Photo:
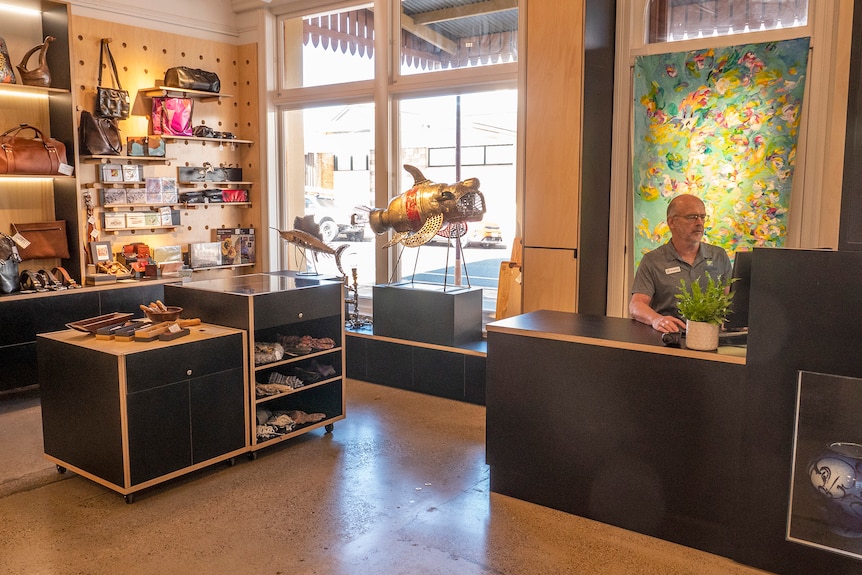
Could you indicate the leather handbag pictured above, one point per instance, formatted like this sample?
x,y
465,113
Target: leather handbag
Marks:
x,y
111,102
34,156
9,260
47,240
99,136
7,74
192,79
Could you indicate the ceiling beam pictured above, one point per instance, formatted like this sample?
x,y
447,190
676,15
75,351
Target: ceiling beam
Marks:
x,y
428,35
477,9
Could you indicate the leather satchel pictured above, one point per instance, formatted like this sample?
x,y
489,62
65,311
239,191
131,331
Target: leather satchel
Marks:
x,y
32,156
47,240
192,79
111,102
99,136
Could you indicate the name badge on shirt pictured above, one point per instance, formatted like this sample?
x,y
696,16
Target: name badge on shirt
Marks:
x,y
673,270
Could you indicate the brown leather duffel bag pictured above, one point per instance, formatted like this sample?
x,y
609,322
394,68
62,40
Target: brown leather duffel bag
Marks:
x,y
30,156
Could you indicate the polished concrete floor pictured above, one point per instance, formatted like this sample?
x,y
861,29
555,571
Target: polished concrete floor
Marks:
x,y
399,487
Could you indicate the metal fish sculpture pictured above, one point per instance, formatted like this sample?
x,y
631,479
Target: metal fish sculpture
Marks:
x,y
307,240
418,214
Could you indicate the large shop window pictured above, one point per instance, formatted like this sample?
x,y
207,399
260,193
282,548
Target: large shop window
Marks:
x,y
450,125
675,20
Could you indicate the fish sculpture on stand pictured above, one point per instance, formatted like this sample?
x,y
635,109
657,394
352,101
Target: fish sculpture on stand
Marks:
x,y
306,237
420,213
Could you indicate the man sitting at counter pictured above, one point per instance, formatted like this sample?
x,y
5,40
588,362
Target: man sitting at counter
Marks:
x,y
685,256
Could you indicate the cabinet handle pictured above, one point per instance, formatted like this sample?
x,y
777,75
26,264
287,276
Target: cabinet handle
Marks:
x,y
188,372
299,315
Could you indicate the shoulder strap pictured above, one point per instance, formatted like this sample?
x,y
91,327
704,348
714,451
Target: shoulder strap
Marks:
x,y
106,48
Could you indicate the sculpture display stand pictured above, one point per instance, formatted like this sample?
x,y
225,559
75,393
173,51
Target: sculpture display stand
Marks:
x,y
430,313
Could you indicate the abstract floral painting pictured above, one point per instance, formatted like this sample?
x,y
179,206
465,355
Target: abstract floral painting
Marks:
x,y
720,123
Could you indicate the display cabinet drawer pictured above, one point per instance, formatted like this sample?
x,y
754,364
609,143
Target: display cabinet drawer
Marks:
x,y
158,367
297,305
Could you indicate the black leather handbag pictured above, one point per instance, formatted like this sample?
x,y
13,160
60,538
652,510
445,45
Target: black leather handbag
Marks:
x,y
9,259
99,136
111,102
192,79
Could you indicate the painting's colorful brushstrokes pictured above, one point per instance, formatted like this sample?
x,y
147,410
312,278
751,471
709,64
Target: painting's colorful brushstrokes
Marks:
x,y
720,123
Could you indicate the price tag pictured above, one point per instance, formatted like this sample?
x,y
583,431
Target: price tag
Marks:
x,y
66,169
21,241
174,328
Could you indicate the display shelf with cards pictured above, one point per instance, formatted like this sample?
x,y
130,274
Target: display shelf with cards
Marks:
x,y
296,353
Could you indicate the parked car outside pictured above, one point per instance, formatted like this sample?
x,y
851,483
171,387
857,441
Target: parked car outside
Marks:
x,y
485,235
336,221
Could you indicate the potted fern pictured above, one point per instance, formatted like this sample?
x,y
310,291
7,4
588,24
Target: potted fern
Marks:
x,y
704,310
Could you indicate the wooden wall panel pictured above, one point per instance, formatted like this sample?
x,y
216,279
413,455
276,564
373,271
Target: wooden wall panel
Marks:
x,y
550,284
142,56
554,70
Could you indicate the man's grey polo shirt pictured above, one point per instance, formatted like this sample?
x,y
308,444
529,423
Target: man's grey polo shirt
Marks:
x,y
661,270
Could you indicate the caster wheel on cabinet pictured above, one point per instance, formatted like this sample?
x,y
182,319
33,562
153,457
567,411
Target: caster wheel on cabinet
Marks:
x,y
252,456
329,427
231,462
61,470
130,498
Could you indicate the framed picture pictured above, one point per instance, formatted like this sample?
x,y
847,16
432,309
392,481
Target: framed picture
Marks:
x,y
133,173
111,172
101,252
825,509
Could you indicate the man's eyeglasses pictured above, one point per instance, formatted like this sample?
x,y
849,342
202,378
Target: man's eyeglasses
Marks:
x,y
694,217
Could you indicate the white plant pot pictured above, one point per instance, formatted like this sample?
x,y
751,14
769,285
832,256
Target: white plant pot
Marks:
x,y
701,336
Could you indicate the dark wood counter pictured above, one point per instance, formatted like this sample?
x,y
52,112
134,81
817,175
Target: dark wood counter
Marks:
x,y
595,416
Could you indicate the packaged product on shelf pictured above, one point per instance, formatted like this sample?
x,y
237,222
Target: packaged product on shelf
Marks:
x,y
155,147
136,196
161,190
204,254
235,195
236,245
111,172
133,173
136,221
152,220
113,221
136,146
112,196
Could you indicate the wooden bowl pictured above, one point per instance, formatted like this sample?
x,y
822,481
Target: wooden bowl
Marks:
x,y
172,314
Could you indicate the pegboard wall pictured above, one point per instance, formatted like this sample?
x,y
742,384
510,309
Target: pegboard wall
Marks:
x,y
142,56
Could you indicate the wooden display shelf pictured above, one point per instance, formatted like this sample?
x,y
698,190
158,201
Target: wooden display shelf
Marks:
x,y
105,159
187,139
224,267
266,398
206,183
149,229
37,176
206,205
293,359
132,207
171,92
31,89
